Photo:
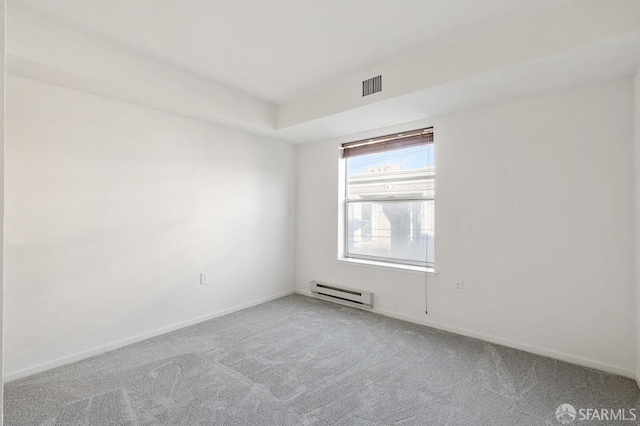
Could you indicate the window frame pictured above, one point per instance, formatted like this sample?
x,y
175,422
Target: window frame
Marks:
x,y
385,261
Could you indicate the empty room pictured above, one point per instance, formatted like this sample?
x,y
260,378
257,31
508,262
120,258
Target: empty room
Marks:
x,y
339,212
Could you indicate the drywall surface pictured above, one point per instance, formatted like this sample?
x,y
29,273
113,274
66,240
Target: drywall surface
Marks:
x,y
636,181
533,211
570,26
114,210
2,180
46,51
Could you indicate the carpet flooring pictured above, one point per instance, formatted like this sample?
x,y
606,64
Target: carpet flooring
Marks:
x,y
300,361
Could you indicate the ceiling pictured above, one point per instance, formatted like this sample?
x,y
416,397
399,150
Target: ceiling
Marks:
x,y
281,49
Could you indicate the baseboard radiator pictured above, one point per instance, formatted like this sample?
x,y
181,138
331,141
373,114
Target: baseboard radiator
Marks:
x,y
342,295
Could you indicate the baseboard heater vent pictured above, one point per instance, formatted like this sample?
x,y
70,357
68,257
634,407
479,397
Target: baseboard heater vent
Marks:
x,y
342,295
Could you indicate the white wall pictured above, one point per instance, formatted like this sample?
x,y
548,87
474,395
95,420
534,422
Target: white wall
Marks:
x,y
533,211
636,181
2,155
113,211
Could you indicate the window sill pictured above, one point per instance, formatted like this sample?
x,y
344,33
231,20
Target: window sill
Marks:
x,y
396,267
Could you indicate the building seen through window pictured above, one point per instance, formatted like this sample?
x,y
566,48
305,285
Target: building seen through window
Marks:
x,y
390,205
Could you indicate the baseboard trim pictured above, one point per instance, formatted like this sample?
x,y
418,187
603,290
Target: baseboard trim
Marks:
x,y
504,342
15,375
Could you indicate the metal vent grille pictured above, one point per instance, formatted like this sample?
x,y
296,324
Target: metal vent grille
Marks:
x,y
372,85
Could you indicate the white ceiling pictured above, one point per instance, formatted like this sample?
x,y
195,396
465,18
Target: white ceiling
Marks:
x,y
279,49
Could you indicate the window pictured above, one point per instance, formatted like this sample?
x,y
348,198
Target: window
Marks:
x,y
389,199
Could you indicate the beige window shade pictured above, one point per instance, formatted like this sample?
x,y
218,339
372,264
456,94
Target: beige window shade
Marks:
x,y
387,143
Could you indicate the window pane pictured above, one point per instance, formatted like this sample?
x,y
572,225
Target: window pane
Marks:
x,y
390,206
398,230
402,173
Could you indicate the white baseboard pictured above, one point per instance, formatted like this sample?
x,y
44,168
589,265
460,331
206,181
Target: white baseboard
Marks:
x,y
14,375
504,342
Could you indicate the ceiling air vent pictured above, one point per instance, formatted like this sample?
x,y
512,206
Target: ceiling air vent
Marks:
x,y
372,85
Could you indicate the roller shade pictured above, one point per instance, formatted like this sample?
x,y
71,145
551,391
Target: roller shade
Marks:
x,y
387,143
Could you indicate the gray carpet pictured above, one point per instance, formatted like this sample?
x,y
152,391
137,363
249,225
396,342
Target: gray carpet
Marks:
x,y
299,361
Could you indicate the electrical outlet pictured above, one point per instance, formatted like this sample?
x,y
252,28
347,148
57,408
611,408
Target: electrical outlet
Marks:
x,y
459,286
204,278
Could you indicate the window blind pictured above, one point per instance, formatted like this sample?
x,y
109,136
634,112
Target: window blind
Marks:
x,y
389,142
